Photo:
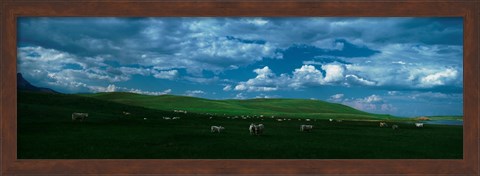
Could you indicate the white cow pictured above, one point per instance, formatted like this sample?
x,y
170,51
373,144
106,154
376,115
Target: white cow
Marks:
x,y
394,127
306,128
175,118
252,128
79,116
125,113
259,129
383,124
256,129
331,120
217,129
419,125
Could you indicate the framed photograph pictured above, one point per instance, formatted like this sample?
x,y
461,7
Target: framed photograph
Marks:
x,y
255,87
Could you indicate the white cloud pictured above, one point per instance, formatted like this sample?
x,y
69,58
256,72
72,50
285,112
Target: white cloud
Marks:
x,y
240,96
334,72
227,88
307,74
336,97
372,99
169,74
241,87
393,92
264,81
113,88
194,92
399,62
61,70
439,78
437,67
355,80
257,21
138,91
110,88
372,103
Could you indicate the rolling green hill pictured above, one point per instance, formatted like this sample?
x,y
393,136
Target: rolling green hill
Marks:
x,y
298,108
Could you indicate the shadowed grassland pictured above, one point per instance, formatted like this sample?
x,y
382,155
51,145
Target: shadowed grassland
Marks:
x,y
46,131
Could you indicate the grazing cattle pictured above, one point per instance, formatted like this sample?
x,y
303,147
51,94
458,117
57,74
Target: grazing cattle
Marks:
x,y
125,113
306,127
166,118
256,129
217,129
419,125
308,120
331,120
279,120
180,111
383,124
259,129
144,118
79,116
175,118
394,127
252,128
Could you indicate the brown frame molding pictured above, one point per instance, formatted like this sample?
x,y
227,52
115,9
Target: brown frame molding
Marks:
x,y
10,10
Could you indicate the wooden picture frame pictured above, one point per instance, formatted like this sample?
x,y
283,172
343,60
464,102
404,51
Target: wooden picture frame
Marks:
x,y
10,10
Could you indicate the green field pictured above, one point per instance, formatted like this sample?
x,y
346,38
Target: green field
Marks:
x,y
46,131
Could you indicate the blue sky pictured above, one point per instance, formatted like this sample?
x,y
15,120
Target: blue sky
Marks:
x,y
400,66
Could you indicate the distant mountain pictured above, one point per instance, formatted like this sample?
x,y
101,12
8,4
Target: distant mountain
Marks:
x,y
23,84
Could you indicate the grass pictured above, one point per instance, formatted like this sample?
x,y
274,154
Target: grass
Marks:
x,y
45,131
445,117
294,108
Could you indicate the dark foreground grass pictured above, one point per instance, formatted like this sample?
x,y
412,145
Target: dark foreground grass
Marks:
x,y
45,131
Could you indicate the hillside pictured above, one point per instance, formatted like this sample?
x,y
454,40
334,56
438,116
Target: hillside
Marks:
x,y
300,108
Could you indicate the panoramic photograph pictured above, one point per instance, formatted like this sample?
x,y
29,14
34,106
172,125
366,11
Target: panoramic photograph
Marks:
x,y
239,88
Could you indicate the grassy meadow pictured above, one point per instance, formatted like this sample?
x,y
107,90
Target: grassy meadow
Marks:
x,y
46,130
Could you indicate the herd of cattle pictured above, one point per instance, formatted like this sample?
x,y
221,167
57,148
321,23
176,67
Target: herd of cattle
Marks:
x,y
255,129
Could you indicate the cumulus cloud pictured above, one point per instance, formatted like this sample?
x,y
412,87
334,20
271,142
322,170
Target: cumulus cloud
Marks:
x,y
168,74
336,98
113,88
373,103
334,72
305,76
439,78
264,81
194,92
